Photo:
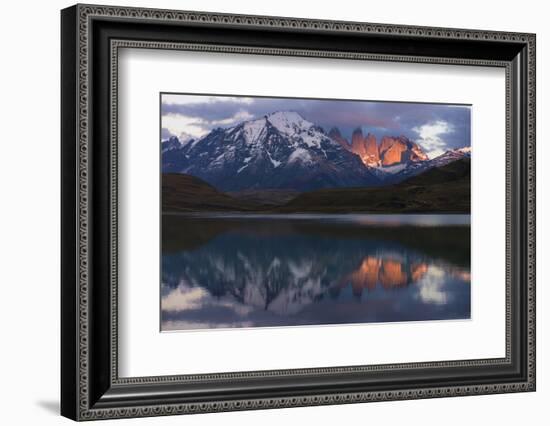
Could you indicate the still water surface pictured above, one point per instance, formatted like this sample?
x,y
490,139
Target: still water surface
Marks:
x,y
227,270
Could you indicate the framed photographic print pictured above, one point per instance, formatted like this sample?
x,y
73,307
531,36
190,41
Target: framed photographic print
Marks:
x,y
263,212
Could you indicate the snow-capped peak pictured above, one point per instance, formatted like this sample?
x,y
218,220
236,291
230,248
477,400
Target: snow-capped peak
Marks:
x,y
454,154
289,122
465,150
175,143
254,129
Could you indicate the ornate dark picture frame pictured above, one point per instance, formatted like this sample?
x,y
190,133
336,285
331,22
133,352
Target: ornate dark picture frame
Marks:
x,y
90,38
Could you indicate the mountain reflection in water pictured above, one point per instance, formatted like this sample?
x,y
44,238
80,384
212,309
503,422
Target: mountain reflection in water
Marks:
x,y
224,272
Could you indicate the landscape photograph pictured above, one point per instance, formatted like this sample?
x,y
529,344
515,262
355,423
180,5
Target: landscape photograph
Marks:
x,y
281,212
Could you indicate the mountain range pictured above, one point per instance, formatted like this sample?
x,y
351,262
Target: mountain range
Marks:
x,y
282,151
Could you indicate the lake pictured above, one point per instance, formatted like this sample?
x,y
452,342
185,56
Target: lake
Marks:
x,y
254,270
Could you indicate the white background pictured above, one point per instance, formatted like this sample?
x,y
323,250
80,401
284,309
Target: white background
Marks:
x,y
141,345
29,229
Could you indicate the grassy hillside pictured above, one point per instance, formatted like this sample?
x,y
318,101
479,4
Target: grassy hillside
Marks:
x,y
442,190
185,193
265,197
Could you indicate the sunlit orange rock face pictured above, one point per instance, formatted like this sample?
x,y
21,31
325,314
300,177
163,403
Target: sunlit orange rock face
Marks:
x,y
358,142
391,151
372,156
399,150
365,147
388,272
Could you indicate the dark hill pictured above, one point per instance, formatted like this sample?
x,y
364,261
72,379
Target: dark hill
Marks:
x,y
181,192
443,189
454,171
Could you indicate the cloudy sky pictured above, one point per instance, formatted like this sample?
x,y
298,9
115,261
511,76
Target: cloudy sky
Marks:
x,y
436,127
